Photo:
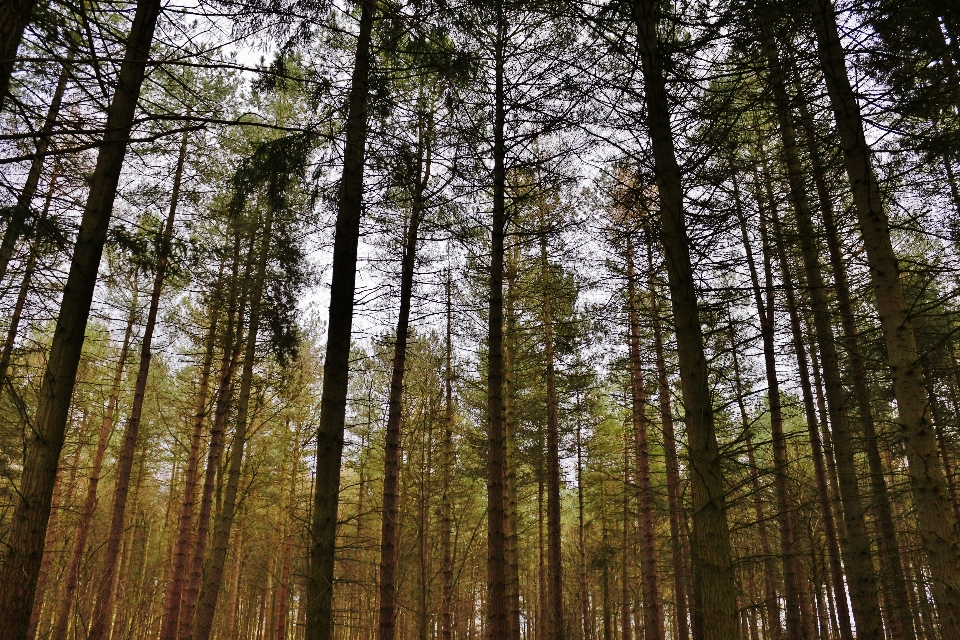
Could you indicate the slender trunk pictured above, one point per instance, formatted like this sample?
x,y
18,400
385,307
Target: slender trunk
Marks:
x,y
670,461
813,431
652,614
857,554
446,521
104,609
336,367
626,628
772,600
889,551
178,570
554,551
62,621
386,627
712,560
29,522
937,526
796,627
213,571
511,521
21,212
586,622
498,624
232,346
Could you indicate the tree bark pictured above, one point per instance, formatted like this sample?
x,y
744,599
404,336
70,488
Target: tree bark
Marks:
x,y
336,367
497,626
213,570
712,559
671,463
29,521
14,18
389,532
21,211
649,580
104,608
446,506
62,620
937,526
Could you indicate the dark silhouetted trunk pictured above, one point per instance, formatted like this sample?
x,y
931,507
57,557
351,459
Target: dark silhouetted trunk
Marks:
x,y
28,524
336,367
712,560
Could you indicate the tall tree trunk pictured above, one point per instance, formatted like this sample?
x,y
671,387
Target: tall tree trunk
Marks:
x,y
446,506
336,366
857,555
29,522
386,627
62,620
213,570
21,212
232,347
586,620
104,608
554,551
497,627
649,581
889,551
712,559
626,626
797,624
772,600
813,431
178,570
937,526
671,463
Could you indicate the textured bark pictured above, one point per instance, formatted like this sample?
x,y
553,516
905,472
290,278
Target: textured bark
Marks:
x,y
497,621
585,619
29,521
511,515
899,621
626,626
390,527
649,580
21,212
764,301
336,367
937,526
712,561
216,563
62,621
671,463
104,609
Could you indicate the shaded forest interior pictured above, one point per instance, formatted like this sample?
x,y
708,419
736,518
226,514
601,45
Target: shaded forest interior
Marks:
x,y
479,320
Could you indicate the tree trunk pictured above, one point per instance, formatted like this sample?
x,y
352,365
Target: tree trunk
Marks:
x,y
652,614
586,621
213,570
712,559
21,211
386,627
336,367
626,628
62,621
937,526
670,461
796,627
29,522
498,627
104,609
178,571
554,550
446,521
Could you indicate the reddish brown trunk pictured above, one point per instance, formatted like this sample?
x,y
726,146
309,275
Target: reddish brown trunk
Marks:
x,y
28,525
